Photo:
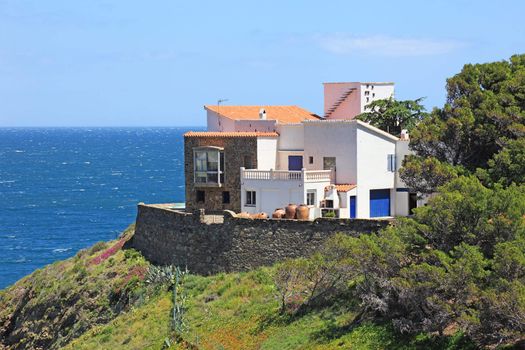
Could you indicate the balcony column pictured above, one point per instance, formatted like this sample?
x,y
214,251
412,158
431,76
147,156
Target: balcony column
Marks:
x,y
303,174
242,174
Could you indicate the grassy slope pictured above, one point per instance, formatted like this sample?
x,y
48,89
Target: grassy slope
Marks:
x,y
240,311
61,301
95,300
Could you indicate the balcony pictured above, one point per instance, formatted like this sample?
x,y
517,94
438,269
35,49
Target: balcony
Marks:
x,y
287,175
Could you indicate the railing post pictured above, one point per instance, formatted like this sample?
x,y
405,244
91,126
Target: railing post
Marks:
x,y
271,174
303,174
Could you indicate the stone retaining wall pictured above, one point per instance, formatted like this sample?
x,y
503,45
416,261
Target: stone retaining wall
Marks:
x,y
165,236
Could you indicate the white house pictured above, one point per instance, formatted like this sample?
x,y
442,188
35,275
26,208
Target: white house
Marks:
x,y
345,166
335,164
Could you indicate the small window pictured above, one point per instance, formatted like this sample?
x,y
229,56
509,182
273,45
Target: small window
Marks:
x,y
310,198
367,93
247,162
372,87
310,160
328,163
368,99
391,159
251,198
373,95
201,196
226,197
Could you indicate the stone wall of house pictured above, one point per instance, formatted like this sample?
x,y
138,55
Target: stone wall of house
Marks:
x,y
236,151
167,236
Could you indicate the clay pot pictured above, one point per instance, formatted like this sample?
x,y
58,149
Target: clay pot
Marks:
x,y
279,213
244,215
303,212
260,216
290,211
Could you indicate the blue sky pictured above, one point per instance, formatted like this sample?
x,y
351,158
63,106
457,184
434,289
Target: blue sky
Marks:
x,y
156,63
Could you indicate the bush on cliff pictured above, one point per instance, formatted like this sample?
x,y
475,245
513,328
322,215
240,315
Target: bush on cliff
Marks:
x,y
457,266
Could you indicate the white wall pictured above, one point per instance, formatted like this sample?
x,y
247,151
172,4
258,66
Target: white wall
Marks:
x,y
291,137
401,204
335,138
272,194
266,153
255,125
373,149
376,91
401,151
216,122
291,143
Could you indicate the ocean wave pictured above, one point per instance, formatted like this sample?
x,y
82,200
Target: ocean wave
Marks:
x,y
61,250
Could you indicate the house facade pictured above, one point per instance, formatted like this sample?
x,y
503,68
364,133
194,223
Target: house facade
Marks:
x,y
259,158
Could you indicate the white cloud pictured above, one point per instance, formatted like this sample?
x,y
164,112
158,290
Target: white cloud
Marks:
x,y
345,44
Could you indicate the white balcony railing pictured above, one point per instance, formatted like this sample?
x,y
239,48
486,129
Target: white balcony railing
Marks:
x,y
287,175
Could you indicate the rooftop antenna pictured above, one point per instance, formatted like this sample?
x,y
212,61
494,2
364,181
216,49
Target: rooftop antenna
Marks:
x,y
219,101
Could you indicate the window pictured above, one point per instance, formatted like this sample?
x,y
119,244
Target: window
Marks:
x,y
391,159
373,95
328,163
310,197
200,196
247,162
310,160
209,165
250,198
367,93
368,99
226,197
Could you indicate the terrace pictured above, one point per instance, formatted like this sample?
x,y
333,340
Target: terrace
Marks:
x,y
287,175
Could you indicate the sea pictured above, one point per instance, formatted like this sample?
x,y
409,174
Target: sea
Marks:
x,y
63,189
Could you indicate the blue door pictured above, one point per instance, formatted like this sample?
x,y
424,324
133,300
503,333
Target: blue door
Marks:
x,y
379,203
295,162
352,207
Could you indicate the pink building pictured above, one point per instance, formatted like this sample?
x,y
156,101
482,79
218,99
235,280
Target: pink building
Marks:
x,y
346,100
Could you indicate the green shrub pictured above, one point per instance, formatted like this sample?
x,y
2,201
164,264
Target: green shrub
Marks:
x,y
97,247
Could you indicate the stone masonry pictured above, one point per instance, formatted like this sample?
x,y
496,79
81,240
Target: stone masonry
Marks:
x,y
236,150
165,236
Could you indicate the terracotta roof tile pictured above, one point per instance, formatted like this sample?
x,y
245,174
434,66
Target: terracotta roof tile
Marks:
x,y
344,187
283,114
229,134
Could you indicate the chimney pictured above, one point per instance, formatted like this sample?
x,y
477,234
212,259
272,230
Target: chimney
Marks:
x,y
262,114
